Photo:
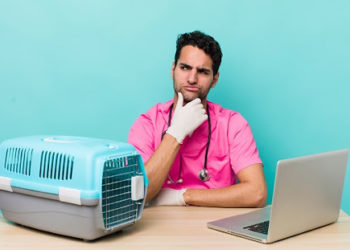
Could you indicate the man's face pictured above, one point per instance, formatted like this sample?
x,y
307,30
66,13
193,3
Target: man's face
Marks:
x,y
193,74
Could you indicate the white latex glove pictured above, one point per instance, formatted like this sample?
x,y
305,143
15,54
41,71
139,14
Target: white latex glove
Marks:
x,y
169,197
186,118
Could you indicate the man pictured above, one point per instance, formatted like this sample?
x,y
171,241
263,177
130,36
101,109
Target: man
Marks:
x,y
195,150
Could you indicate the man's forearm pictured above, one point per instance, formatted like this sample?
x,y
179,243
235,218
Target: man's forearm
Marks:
x,y
158,166
238,195
250,192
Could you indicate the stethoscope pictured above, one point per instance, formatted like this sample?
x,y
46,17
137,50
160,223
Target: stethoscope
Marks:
x,y
203,173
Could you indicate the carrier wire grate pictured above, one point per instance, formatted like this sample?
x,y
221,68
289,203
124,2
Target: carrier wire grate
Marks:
x,y
19,160
117,206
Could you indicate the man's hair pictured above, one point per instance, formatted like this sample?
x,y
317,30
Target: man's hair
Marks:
x,y
202,41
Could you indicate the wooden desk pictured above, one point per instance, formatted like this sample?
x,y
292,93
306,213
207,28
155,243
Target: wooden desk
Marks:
x,y
175,228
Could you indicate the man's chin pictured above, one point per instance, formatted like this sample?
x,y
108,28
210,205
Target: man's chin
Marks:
x,y
189,98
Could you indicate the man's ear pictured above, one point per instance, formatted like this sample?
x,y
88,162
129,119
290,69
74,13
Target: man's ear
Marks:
x,y
172,70
215,80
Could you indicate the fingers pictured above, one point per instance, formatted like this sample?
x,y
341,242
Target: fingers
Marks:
x,y
196,108
194,102
180,100
202,119
199,119
186,118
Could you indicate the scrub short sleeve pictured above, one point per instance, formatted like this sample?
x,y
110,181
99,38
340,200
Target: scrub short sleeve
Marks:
x,y
141,136
243,150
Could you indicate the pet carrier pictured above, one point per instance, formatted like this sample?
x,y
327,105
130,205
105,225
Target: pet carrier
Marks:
x,y
74,186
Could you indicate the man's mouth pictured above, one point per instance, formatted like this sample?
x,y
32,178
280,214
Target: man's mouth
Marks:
x,y
191,89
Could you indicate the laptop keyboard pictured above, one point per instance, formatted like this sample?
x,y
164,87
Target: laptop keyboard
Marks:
x,y
262,227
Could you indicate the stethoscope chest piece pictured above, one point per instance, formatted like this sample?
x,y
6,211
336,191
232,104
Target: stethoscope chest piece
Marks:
x,y
203,175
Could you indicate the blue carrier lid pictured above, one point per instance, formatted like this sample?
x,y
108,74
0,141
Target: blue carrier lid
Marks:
x,y
67,166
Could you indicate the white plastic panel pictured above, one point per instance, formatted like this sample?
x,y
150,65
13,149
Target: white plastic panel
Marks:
x,y
137,188
5,184
69,195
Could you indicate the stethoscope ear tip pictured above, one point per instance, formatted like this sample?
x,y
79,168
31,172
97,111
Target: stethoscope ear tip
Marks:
x,y
179,181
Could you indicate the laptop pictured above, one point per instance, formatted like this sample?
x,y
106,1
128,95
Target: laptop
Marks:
x,y
307,195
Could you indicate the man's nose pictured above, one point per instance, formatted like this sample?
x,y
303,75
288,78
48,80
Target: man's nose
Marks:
x,y
192,77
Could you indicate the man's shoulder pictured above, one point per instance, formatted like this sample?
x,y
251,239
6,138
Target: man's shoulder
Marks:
x,y
221,111
225,114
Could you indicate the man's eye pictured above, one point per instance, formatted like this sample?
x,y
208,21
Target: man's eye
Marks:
x,y
204,72
184,67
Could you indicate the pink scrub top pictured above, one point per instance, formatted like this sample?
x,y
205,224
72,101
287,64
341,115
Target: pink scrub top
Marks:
x,y
232,146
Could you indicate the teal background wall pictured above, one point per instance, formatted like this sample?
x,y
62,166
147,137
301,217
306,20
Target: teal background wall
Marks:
x,y
89,68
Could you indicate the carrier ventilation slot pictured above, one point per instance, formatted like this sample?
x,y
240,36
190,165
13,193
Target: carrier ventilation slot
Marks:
x,y
117,206
19,160
56,166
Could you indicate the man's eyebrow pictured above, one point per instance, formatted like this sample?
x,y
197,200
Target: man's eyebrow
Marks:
x,y
186,65
206,70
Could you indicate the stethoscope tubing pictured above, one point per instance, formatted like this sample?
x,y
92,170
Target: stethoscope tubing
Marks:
x,y
203,174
